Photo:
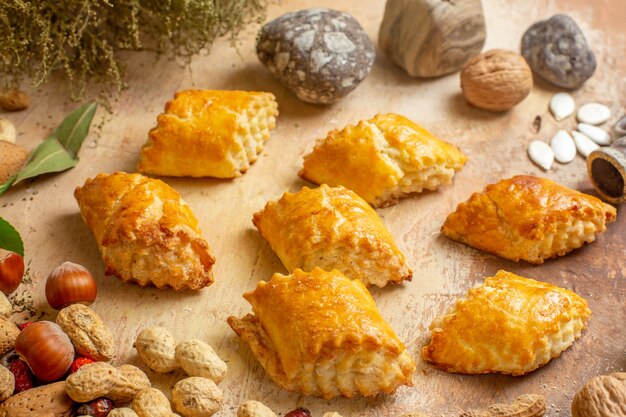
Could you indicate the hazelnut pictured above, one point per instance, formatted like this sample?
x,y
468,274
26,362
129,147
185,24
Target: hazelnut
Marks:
x,y
496,80
46,349
70,283
11,271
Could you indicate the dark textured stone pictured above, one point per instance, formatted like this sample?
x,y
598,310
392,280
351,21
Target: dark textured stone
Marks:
x,y
319,54
557,51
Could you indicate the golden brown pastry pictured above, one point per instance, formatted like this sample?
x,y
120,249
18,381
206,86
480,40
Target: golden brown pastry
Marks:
x,y
146,233
333,228
528,218
207,133
383,159
320,333
509,324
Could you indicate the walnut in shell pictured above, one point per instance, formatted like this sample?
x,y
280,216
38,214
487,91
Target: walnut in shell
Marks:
x,y
602,396
496,80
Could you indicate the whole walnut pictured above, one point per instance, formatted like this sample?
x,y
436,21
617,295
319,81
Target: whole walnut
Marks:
x,y
496,80
602,396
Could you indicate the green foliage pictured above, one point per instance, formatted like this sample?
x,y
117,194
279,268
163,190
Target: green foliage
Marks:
x,y
59,151
83,38
10,238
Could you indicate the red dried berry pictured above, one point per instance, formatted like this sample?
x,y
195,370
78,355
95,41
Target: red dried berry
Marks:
x,y
23,376
299,412
25,325
78,362
100,407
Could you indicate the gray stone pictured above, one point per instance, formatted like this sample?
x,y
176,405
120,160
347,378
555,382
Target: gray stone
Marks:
x,y
557,51
319,54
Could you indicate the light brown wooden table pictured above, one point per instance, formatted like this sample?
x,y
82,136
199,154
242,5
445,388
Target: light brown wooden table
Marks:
x,y
46,213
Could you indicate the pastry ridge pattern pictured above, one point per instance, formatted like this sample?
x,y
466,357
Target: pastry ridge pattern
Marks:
x,y
209,133
333,228
320,333
508,324
145,231
383,159
528,218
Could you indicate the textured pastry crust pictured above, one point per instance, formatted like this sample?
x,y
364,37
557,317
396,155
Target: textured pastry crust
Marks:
x,y
146,233
209,134
333,228
509,324
383,159
528,218
320,333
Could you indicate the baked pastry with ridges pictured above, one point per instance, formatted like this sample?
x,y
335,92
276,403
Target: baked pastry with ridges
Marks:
x,y
528,218
333,228
508,324
145,231
209,133
320,333
383,159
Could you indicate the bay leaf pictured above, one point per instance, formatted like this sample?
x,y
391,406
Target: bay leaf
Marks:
x,y
49,156
73,130
59,151
10,238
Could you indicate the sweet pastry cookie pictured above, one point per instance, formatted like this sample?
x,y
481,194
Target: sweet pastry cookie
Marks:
x,y
528,218
146,233
333,228
509,324
383,159
320,333
207,133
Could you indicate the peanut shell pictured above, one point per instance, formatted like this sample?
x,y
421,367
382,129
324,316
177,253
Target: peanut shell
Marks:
x,y
88,333
197,397
157,348
199,359
151,403
8,334
7,383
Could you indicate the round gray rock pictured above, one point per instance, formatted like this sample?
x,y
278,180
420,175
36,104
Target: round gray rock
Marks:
x,y
319,54
557,51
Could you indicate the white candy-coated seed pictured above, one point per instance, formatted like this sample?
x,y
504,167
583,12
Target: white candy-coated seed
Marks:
x,y
562,106
563,146
593,113
584,145
541,154
599,136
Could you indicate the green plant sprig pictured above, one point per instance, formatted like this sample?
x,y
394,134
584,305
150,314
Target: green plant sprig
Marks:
x,y
83,38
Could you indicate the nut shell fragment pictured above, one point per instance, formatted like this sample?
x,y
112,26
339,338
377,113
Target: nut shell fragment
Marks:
x,y
602,396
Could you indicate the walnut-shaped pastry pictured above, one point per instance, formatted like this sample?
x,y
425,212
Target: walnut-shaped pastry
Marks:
x,y
320,333
333,228
509,324
383,159
146,233
206,133
528,218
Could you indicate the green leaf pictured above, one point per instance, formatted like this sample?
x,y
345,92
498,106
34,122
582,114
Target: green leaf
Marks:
x,y
7,184
49,156
58,152
74,128
10,239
